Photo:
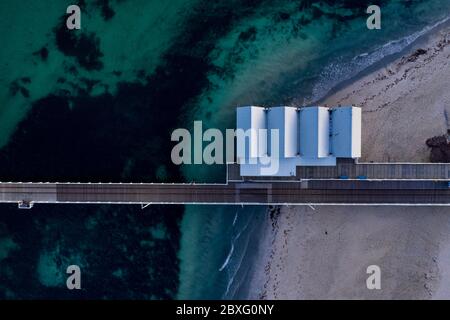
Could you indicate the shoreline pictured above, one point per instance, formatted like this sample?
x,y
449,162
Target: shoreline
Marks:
x,y
323,252
422,40
409,91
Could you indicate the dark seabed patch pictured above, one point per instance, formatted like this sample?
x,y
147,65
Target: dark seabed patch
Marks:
x,y
85,47
123,252
71,135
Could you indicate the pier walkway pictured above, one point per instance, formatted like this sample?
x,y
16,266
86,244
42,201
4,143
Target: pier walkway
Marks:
x,y
346,184
352,170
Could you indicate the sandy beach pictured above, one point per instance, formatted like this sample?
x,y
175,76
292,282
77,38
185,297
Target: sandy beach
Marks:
x,y
323,252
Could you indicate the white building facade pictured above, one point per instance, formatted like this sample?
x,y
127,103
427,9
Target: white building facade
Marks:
x,y
307,136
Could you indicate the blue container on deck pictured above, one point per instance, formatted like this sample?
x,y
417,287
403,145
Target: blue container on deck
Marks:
x,y
343,177
361,177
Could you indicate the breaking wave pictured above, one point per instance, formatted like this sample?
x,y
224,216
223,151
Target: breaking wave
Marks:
x,y
341,70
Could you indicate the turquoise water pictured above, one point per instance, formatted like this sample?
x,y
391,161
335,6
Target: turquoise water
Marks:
x,y
100,104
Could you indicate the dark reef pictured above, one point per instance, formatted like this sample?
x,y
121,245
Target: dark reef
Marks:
x,y
84,46
440,148
112,137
